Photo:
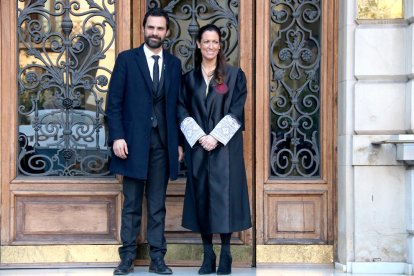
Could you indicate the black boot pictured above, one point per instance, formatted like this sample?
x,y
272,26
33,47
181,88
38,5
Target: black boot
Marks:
x,y
209,264
209,259
125,267
225,255
224,264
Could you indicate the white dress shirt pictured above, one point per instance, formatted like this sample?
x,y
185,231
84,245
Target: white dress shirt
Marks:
x,y
150,60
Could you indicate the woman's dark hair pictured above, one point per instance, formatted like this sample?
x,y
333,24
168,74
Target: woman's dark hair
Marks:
x,y
156,12
221,59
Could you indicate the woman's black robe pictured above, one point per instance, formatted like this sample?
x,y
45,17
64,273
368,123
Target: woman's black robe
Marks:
x,y
216,196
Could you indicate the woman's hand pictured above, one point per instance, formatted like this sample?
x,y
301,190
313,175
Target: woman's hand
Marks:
x,y
208,142
180,153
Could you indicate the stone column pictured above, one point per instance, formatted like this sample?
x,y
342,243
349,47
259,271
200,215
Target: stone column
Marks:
x,y
405,153
410,217
346,84
371,107
409,108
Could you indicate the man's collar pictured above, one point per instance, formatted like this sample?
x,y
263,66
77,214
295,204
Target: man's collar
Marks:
x,y
149,53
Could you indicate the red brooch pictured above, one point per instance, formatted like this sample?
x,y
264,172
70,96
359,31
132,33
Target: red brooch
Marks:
x,y
221,88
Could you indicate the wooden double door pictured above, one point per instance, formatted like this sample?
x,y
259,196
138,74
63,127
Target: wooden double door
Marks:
x,y
57,203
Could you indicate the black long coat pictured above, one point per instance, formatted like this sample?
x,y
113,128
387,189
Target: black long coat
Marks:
x,y
216,197
129,111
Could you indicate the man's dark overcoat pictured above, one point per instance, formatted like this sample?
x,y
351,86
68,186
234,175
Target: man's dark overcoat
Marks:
x,y
130,107
216,197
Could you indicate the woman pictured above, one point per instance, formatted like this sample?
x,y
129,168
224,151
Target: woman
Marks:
x,y
210,113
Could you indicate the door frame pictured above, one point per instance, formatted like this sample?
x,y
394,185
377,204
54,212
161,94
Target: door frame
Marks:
x,y
264,183
13,253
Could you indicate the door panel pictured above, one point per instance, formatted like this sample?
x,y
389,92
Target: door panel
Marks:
x,y
295,126
62,219
235,18
39,210
296,218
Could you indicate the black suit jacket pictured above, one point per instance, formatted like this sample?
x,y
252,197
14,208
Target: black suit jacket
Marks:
x,y
130,106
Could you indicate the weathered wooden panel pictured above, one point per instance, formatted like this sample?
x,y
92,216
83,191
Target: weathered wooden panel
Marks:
x,y
296,218
174,232
174,207
65,218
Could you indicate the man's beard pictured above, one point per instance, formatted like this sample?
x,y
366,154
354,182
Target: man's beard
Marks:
x,y
153,44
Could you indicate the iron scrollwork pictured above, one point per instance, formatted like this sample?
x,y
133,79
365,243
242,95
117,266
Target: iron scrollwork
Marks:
x,y
62,85
186,17
294,88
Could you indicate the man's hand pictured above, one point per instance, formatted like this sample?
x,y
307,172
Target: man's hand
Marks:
x,y
180,153
120,148
208,142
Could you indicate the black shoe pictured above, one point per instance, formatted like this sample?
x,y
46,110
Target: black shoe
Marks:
x,y
224,264
158,266
125,267
209,264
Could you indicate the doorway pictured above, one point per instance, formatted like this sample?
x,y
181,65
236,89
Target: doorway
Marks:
x,y
287,50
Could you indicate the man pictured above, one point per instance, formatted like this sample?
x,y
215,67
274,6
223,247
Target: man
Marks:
x,y
141,115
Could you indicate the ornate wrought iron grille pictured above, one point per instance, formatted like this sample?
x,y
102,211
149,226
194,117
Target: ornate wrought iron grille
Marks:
x,y
294,88
187,16
65,48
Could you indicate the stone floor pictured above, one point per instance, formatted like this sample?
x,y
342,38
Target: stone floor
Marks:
x,y
181,271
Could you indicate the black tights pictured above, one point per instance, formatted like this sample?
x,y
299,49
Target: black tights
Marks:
x,y
208,242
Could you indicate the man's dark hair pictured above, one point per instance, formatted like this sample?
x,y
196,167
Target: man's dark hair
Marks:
x,y
156,12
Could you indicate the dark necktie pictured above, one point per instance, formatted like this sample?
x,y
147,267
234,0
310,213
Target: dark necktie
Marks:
x,y
156,73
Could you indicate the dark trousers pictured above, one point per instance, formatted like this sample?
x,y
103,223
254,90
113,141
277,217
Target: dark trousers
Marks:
x,y
155,192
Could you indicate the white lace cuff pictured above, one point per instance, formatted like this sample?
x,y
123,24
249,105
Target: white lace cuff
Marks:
x,y
191,130
225,129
